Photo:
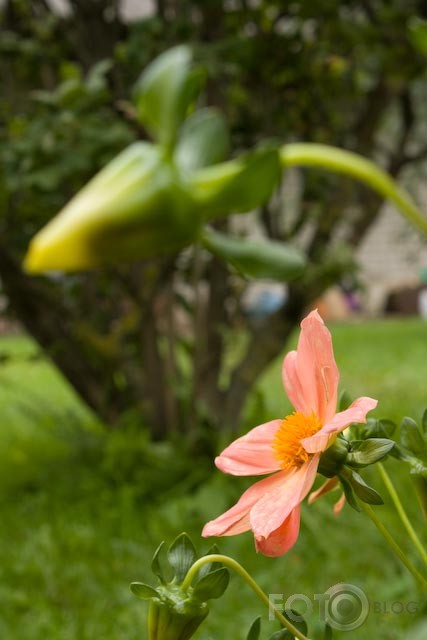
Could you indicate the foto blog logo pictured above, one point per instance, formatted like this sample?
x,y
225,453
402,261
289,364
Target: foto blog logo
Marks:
x,y
343,606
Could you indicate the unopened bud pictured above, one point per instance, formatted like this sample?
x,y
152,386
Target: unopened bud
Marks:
x,y
134,208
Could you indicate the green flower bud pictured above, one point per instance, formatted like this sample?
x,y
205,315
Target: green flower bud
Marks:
x,y
174,615
333,459
136,207
179,606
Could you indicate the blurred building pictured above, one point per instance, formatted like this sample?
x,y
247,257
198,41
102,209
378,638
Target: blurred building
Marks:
x,y
392,257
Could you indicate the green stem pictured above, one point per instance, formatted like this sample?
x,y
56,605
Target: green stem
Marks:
x,y
393,544
233,564
421,489
402,513
351,164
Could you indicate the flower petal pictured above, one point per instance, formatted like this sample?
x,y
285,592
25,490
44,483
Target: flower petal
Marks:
x,y
310,375
283,538
355,413
292,383
236,520
338,506
272,509
252,454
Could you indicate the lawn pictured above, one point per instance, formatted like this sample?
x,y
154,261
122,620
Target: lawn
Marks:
x,y
81,513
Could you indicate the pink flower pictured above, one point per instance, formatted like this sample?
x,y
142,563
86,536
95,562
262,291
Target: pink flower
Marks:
x,y
289,449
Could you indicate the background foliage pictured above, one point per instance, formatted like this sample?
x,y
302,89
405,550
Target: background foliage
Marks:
x,y
154,338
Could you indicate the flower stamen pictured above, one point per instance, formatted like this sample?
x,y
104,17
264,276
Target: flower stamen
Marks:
x,y
287,446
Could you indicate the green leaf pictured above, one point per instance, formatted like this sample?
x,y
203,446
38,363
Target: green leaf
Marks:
x,y
239,185
255,630
144,591
348,491
364,491
369,451
165,92
327,635
379,428
296,619
181,556
203,140
412,438
209,566
212,585
386,428
256,259
155,563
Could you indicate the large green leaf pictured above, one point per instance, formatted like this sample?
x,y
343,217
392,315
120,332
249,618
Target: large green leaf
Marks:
x,y
165,92
181,556
212,585
203,140
237,186
255,258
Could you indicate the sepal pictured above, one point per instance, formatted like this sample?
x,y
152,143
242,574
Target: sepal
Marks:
x,y
413,446
203,140
365,452
181,555
256,259
166,91
255,630
212,585
354,485
239,185
413,437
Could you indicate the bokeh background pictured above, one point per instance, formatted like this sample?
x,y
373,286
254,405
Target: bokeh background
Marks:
x,y
118,387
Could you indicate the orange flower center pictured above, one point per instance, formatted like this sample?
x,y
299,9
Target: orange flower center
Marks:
x,y
287,446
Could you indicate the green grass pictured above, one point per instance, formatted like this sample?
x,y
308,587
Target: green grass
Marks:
x,y
81,514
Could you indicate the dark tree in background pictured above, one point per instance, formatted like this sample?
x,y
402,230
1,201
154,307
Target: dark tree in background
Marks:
x,y
153,337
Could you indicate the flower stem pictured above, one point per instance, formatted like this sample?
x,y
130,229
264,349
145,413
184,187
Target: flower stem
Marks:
x,y
393,544
402,513
327,157
233,564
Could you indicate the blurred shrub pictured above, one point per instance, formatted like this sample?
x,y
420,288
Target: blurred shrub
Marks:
x,y
351,73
